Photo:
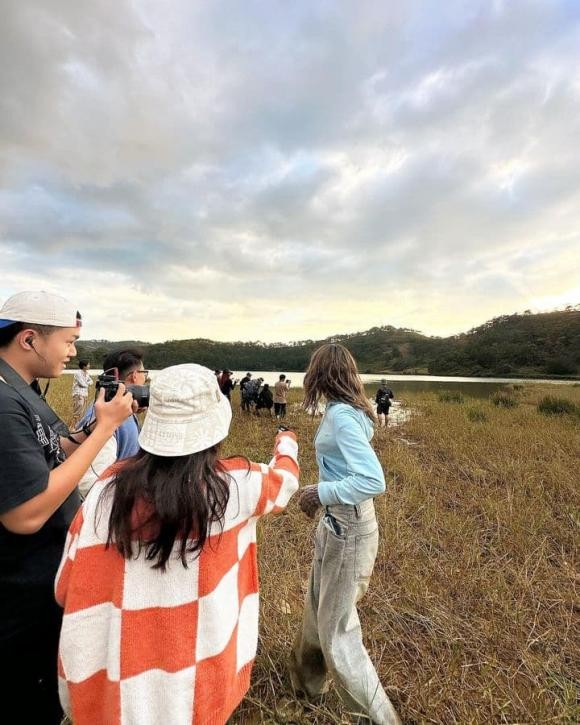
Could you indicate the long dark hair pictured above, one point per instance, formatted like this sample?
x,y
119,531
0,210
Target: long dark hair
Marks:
x,y
332,373
160,500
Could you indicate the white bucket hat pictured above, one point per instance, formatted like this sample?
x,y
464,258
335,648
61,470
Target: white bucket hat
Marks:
x,y
39,308
187,412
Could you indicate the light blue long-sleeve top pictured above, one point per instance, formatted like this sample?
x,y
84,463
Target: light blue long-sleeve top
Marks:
x,y
349,470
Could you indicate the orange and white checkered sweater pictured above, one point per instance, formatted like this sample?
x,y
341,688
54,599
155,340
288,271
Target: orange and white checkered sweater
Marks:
x,y
143,647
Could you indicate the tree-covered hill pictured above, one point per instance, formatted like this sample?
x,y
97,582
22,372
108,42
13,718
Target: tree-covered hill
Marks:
x,y
546,344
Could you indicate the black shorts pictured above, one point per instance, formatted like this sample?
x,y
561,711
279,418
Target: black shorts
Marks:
x,y
383,409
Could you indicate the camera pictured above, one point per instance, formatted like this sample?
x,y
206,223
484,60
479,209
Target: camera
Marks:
x,y
110,383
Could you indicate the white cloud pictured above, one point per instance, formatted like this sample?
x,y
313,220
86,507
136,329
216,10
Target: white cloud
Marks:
x,y
280,171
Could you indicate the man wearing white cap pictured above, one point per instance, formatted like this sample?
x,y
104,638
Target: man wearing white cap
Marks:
x,y
40,466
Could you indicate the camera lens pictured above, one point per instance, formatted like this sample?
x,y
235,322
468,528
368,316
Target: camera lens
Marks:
x,y
140,394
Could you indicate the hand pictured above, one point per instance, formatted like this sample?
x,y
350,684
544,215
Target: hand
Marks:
x,y
116,410
309,501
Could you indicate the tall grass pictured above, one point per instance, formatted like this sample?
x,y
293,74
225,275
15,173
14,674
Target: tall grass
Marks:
x,y
552,405
471,615
504,399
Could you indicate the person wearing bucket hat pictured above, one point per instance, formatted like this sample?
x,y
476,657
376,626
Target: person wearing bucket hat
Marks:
x,y
161,570
187,412
40,466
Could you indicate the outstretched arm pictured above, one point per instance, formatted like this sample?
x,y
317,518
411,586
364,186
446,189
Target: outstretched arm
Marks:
x,y
280,477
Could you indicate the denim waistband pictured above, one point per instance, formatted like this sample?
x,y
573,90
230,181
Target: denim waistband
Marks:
x,y
360,510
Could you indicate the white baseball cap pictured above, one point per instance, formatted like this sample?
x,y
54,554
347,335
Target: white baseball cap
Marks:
x,y
187,412
39,308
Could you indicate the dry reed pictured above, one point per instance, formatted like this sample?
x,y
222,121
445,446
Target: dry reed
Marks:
x,y
472,613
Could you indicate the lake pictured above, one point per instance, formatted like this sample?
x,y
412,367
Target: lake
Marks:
x,y
400,384
474,387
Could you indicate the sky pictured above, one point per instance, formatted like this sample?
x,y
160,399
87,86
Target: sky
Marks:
x,y
283,171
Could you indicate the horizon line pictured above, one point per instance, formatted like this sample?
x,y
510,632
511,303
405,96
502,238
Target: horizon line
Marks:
x,y
525,313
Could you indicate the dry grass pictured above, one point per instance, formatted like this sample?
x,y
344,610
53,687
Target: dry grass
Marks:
x,y
471,612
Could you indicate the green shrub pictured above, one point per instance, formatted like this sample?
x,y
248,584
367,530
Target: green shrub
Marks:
x,y
551,405
450,396
476,415
503,399
562,366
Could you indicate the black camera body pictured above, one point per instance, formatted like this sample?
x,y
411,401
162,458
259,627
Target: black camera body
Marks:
x,y
110,383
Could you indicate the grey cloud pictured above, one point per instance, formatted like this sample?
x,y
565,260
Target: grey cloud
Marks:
x,y
245,144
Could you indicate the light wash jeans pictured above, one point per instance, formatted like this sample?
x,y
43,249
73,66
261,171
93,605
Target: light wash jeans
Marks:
x,y
345,550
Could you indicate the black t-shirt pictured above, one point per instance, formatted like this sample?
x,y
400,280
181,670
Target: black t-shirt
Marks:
x,y
383,397
29,450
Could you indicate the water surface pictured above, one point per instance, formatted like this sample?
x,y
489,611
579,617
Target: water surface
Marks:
x,y
400,384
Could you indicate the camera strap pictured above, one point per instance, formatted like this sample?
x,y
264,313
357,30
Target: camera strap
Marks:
x,y
33,398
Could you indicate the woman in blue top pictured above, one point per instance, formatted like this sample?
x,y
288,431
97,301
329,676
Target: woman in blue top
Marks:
x,y
346,542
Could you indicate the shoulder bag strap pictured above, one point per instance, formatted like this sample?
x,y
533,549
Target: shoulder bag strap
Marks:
x,y
40,406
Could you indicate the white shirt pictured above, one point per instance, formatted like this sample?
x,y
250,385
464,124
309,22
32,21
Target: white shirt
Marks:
x,y
81,383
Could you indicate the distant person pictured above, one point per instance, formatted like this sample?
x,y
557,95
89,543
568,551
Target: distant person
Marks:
x,y
243,382
80,391
350,476
251,392
40,466
227,384
124,443
383,400
280,393
265,400
161,600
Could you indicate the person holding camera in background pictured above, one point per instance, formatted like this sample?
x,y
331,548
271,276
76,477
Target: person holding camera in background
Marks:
x,y
40,466
280,392
125,442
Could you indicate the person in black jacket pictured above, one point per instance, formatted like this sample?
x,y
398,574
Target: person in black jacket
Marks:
x,y
265,400
383,400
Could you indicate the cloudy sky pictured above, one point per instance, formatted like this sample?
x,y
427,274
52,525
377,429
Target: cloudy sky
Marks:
x,y
288,170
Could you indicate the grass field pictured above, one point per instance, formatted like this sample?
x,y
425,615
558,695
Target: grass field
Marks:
x,y
472,614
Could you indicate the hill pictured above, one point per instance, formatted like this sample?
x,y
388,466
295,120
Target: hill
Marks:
x,y
545,344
